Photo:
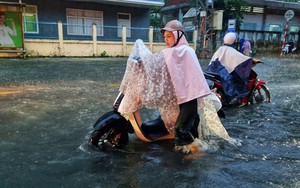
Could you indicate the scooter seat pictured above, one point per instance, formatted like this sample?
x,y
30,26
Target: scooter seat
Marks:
x,y
212,76
154,129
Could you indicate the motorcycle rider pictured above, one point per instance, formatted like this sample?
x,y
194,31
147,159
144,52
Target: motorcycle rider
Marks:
x,y
234,69
172,81
187,78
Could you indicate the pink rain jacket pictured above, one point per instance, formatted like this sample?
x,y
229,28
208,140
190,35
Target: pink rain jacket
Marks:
x,y
185,71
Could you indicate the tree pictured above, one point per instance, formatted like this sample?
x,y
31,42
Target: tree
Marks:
x,y
155,18
233,9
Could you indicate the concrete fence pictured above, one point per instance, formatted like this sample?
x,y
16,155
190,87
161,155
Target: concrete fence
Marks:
x,y
83,48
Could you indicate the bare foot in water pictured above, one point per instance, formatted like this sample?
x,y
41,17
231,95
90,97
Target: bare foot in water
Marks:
x,y
192,151
196,155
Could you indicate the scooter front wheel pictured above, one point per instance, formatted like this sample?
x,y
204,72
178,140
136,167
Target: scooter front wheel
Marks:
x,y
262,94
109,138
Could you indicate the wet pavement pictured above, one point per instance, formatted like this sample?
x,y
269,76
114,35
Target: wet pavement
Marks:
x,y
49,105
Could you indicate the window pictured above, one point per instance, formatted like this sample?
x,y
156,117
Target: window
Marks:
x,y
124,20
274,28
258,10
294,29
80,22
30,19
246,8
249,26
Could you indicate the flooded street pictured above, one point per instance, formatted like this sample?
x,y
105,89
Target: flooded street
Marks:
x,y
49,105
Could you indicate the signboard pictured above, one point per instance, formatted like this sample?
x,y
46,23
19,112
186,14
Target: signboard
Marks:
x,y
11,32
231,25
203,13
289,15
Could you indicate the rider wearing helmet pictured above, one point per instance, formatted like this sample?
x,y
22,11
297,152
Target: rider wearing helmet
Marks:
x,y
176,28
233,67
172,82
187,78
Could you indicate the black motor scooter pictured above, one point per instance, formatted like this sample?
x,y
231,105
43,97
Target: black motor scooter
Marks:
x,y
112,130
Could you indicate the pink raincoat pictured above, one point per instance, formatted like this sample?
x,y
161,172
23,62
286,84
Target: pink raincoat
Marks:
x,y
185,71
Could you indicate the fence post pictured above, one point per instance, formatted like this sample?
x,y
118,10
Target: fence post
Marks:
x,y
60,38
94,39
124,40
255,37
151,38
246,35
195,37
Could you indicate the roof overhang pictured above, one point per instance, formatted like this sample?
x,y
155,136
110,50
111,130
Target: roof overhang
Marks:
x,y
12,3
275,4
174,7
191,13
129,3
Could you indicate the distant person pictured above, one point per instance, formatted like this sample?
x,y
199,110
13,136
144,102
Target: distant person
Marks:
x,y
291,46
6,32
245,46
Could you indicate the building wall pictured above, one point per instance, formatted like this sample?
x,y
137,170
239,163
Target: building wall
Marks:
x,y
273,13
55,10
261,24
280,20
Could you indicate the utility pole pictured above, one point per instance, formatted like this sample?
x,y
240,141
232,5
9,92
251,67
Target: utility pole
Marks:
x,y
206,8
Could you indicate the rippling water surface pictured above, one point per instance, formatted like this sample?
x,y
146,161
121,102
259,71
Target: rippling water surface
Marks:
x,y
48,107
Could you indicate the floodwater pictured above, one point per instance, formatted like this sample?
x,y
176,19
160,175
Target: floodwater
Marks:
x,y
49,105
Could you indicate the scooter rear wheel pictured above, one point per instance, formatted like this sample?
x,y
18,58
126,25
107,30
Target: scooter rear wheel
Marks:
x,y
109,139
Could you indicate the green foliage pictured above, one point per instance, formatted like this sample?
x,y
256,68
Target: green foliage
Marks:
x,y
233,9
104,54
155,18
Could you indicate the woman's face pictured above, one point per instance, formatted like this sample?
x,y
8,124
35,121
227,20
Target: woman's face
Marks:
x,y
169,39
2,19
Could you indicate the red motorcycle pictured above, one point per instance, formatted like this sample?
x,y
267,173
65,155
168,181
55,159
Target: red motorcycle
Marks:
x,y
259,92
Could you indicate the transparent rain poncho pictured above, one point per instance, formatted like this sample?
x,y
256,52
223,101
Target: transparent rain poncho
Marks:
x,y
147,83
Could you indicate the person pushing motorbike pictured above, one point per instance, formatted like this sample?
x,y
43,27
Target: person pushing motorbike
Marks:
x,y
187,78
234,69
172,82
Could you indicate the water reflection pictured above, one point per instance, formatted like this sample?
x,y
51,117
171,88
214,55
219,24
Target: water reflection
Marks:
x,y
50,105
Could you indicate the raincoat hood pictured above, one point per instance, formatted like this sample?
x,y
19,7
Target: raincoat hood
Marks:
x,y
229,38
229,57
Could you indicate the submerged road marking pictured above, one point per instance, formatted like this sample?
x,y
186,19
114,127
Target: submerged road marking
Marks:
x,y
14,90
114,85
9,92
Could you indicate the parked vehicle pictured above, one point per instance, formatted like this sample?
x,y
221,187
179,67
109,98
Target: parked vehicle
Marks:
x,y
289,48
259,92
